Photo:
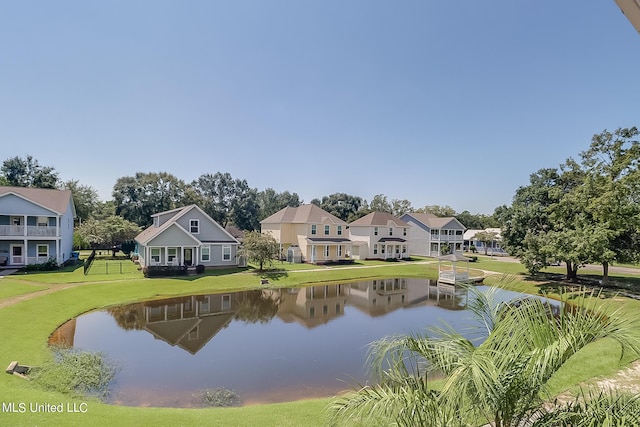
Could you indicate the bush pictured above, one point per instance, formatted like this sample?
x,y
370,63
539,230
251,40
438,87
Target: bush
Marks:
x,y
220,397
76,371
199,268
50,265
164,270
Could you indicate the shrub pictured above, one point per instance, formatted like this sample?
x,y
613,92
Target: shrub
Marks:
x,y
164,270
199,268
71,370
220,397
50,265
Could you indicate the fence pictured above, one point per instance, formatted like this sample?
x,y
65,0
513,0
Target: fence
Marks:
x,y
101,266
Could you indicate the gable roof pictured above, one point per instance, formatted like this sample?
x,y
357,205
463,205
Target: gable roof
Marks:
x,y
149,233
304,214
379,219
51,199
432,221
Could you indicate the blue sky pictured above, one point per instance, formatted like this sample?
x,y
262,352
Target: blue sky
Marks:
x,y
438,102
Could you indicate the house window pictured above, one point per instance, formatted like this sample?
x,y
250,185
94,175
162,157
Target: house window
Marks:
x,y
226,302
339,250
383,247
226,253
375,231
326,251
375,249
390,231
172,254
43,221
404,249
43,251
404,231
194,226
16,220
313,229
326,230
458,232
155,255
205,304
205,254
339,230
434,233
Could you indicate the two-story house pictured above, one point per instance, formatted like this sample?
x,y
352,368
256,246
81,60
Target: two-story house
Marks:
x,y
309,231
36,225
434,236
379,235
186,236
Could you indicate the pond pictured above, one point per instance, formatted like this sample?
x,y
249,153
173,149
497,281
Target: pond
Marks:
x,y
271,345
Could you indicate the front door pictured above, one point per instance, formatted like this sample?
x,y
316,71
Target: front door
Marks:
x,y
188,256
17,254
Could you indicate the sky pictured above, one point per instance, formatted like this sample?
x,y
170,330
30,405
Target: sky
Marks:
x,y
437,102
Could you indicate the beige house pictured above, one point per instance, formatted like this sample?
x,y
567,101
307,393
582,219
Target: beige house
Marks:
x,y
379,235
308,233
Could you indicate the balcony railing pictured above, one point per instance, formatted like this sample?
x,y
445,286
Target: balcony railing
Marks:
x,y
32,230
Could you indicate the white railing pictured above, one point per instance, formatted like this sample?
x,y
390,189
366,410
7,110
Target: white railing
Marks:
x,y
457,276
32,230
447,238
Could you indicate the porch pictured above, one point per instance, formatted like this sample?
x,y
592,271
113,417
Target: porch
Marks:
x,y
171,256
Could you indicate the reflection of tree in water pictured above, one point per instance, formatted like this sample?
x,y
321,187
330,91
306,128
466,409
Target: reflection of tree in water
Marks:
x,y
255,306
128,317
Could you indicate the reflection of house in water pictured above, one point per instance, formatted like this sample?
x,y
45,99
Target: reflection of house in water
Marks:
x,y
313,305
381,296
189,322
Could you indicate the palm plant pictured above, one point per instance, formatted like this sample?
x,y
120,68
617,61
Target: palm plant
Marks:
x,y
497,373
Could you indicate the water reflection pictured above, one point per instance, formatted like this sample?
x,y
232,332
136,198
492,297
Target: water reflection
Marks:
x,y
267,345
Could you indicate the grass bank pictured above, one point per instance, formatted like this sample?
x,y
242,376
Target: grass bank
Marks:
x,y
27,324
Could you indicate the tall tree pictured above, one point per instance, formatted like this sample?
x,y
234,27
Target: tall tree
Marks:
x,y
379,203
228,200
400,207
27,172
140,196
342,205
271,201
437,210
611,191
85,199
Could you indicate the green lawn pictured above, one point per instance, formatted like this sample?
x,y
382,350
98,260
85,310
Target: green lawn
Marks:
x,y
27,325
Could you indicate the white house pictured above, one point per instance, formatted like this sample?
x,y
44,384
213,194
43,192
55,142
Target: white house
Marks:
x,y
36,225
431,235
379,235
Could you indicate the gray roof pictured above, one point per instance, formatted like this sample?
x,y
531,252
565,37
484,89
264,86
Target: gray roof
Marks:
x,y
55,200
379,219
432,221
149,233
305,214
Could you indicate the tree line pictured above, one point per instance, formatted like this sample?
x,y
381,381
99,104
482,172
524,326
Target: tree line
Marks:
x,y
228,200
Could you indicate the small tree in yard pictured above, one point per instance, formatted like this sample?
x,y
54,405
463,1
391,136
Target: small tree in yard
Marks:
x,y
487,238
259,248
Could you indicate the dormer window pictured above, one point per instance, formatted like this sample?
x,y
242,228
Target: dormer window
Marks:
x,y
194,226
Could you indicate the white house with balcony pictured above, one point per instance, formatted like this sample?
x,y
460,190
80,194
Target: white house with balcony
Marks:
x,y
434,236
36,225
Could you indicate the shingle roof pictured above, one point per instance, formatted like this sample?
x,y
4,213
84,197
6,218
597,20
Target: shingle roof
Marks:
x,y
55,200
432,221
378,218
305,214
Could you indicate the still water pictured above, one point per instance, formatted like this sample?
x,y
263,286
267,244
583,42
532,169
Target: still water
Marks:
x,y
265,345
